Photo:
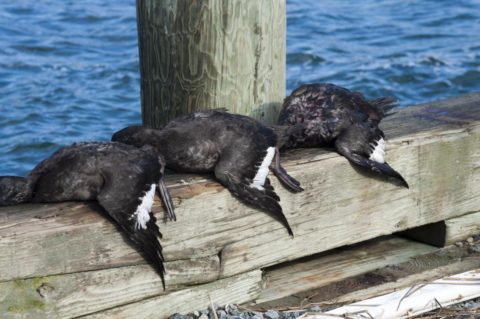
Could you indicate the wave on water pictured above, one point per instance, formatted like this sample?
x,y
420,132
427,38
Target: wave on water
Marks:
x,y
69,69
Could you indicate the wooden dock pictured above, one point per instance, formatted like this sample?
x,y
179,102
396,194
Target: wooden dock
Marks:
x,y
68,260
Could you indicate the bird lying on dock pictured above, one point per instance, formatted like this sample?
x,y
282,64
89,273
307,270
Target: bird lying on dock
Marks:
x,y
121,178
237,149
326,114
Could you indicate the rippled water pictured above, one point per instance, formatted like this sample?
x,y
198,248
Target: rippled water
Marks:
x,y
418,51
69,69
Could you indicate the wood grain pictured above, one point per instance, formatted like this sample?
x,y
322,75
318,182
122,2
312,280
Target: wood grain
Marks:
x,y
335,265
462,227
237,289
415,271
210,54
340,206
443,174
71,295
438,154
406,280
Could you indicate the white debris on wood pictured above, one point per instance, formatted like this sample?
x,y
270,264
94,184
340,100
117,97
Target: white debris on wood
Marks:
x,y
411,301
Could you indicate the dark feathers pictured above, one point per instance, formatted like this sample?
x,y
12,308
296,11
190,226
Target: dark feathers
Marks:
x,y
122,178
231,146
329,115
14,190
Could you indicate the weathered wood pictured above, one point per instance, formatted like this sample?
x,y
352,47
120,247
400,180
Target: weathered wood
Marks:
x,y
414,300
209,54
76,294
446,232
468,263
237,289
441,188
438,155
335,265
460,228
448,114
424,267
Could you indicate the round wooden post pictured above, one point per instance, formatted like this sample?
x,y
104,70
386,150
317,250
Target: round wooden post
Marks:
x,y
198,54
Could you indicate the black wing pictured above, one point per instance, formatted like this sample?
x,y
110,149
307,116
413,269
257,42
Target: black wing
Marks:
x,y
130,208
363,145
237,174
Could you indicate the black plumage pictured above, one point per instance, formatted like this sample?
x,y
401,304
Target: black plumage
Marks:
x,y
121,178
329,115
231,146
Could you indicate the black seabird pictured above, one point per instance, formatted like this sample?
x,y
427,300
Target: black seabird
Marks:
x,y
326,114
121,178
237,149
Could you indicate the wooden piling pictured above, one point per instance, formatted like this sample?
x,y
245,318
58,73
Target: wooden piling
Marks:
x,y
210,54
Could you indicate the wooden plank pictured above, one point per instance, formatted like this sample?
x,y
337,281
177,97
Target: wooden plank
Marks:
x,y
339,207
237,289
460,228
43,240
412,301
440,188
411,279
72,295
300,276
210,54
436,116
446,232
419,269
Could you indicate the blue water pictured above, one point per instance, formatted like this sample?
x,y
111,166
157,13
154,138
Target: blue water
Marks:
x,y
69,69
418,51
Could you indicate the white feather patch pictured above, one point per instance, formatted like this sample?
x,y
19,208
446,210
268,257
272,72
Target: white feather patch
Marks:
x,y
261,176
379,152
142,214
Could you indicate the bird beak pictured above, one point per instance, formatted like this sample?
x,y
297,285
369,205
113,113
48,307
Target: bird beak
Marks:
x,y
167,199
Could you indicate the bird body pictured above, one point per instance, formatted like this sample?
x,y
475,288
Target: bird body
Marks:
x,y
329,115
237,149
121,178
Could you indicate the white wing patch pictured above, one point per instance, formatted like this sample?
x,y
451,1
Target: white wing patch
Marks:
x,y
261,176
378,151
142,214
